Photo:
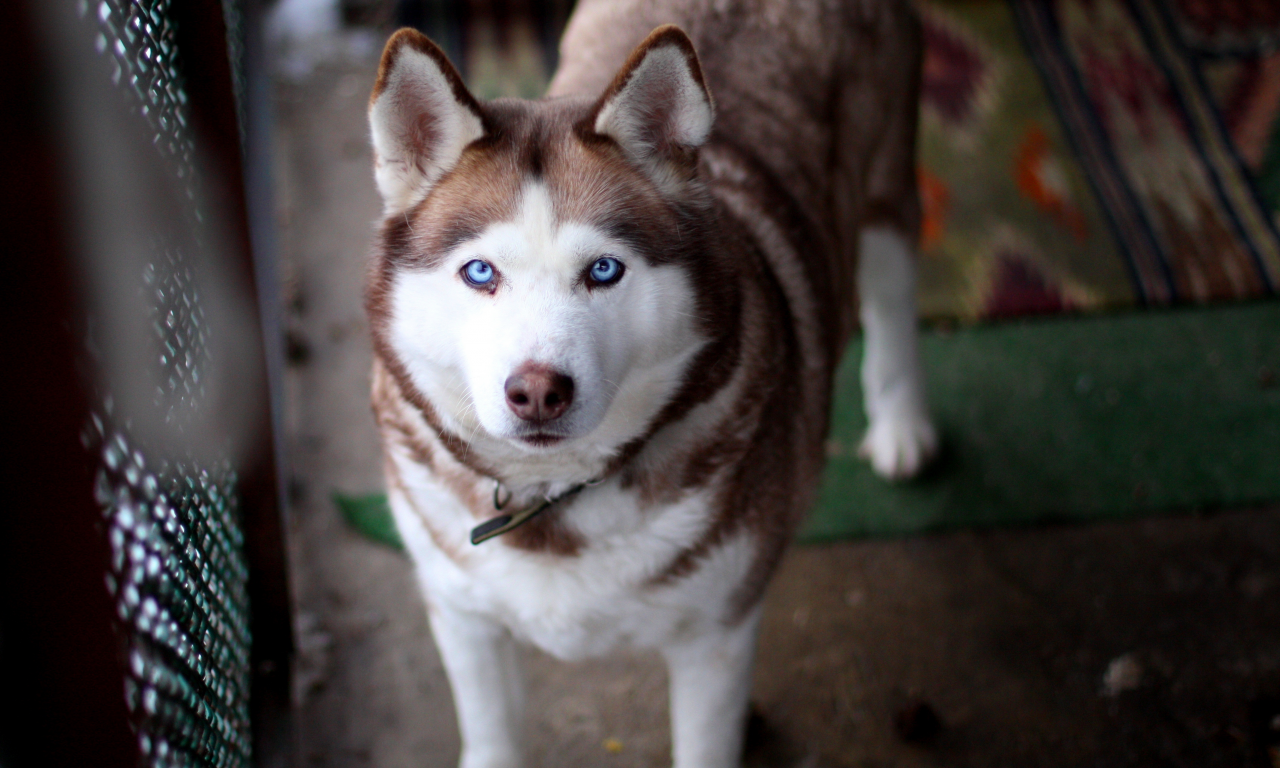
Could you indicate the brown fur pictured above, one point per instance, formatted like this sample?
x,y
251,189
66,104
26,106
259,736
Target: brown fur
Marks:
x,y
803,94
814,130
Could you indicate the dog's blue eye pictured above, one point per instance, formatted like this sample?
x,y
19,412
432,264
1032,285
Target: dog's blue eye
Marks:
x,y
606,270
478,272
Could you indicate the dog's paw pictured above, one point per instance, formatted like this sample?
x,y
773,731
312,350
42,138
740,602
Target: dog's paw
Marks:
x,y
901,445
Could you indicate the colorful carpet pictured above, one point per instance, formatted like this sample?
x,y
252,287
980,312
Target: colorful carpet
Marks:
x,y
1080,155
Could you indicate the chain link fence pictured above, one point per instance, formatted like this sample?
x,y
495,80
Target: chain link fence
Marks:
x,y
142,124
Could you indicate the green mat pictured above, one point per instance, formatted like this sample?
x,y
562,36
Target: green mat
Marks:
x,y
1075,419
369,514
1070,419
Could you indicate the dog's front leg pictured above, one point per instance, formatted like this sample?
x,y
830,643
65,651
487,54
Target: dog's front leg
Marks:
x,y
710,681
480,659
900,436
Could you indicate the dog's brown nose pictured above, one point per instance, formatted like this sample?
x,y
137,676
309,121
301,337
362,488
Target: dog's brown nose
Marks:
x,y
538,394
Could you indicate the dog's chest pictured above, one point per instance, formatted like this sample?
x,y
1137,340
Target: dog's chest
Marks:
x,y
610,593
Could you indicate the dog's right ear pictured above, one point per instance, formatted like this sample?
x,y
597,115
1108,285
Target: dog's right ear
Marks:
x,y
421,116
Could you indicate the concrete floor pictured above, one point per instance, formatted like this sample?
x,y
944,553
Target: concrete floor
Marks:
x,y
1149,643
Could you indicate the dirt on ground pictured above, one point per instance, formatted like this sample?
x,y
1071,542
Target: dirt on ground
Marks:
x,y
1144,643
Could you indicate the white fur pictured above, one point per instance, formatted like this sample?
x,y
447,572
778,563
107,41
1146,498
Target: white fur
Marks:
x,y
900,437
625,346
579,607
488,693
416,86
710,685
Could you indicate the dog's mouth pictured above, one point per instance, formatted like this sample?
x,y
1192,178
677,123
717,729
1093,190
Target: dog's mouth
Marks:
x,y
541,439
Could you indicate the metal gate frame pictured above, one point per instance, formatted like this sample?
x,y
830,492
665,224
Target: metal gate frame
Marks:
x,y
62,654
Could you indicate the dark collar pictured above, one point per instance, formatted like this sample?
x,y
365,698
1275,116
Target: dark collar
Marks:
x,y
496,526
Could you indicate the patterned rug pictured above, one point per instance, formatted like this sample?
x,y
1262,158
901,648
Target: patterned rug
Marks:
x,y
1098,154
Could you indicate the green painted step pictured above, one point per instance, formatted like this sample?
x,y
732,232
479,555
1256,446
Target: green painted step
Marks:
x,y
1074,419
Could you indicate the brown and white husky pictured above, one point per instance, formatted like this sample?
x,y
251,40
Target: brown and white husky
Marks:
x,y
606,324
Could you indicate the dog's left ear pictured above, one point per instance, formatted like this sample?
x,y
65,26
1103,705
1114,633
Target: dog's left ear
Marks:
x,y
658,108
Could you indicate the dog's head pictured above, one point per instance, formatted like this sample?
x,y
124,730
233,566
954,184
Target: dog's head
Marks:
x,y
545,272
